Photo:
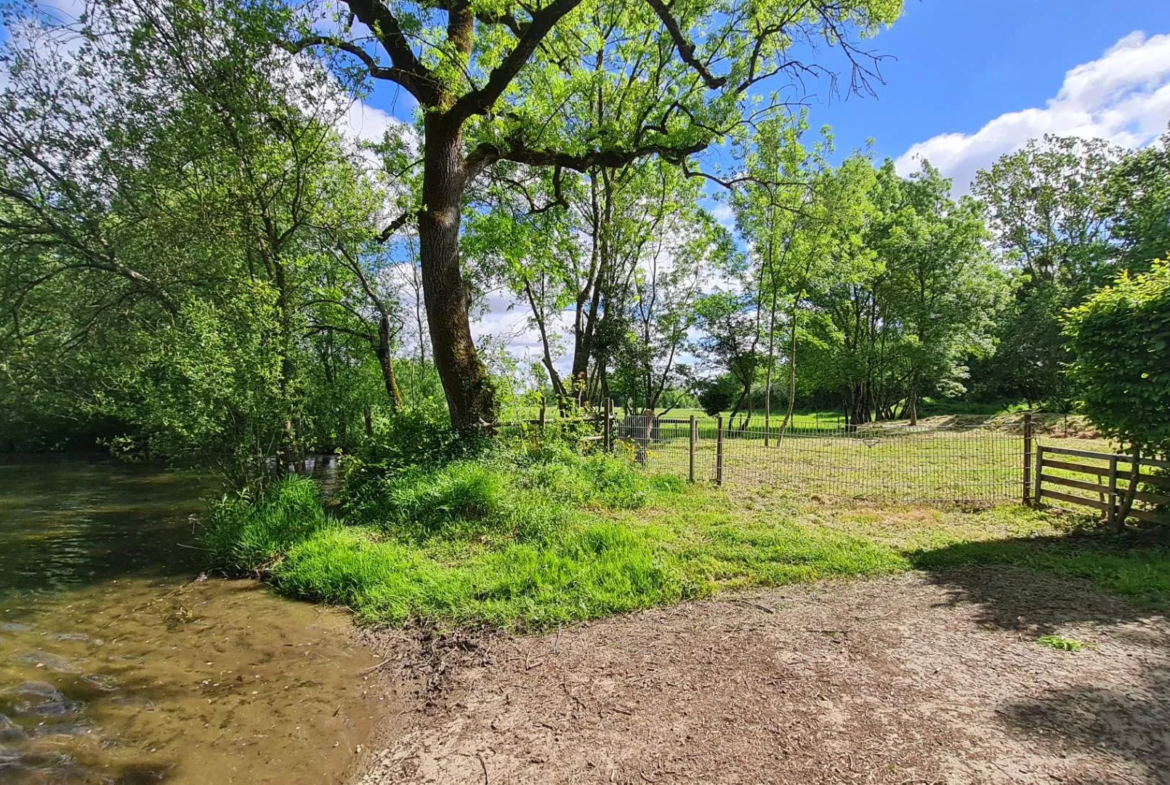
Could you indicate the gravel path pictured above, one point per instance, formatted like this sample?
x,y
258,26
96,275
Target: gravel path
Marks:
x,y
912,679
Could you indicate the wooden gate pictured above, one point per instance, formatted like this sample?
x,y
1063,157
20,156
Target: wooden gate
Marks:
x,y
1101,480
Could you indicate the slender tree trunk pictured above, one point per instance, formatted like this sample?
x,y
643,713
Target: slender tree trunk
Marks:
x,y
1127,500
470,398
385,354
914,400
538,317
791,365
768,376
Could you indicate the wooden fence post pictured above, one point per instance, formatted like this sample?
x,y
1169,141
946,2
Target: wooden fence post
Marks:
x,y
694,435
543,415
608,427
1028,461
1111,513
719,451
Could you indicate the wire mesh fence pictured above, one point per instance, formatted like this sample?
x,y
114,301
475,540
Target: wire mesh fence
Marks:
x,y
893,462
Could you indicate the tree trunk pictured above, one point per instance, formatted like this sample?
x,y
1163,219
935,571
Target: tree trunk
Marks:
x,y
791,368
470,398
385,354
914,401
1127,500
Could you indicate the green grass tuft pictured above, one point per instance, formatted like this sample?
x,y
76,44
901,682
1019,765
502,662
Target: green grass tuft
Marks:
x,y
247,536
1061,643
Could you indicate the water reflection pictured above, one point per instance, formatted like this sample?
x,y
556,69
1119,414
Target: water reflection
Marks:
x,y
120,664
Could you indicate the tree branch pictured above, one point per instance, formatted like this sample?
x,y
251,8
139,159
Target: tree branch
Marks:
x,y
376,69
486,154
686,49
480,101
415,76
394,226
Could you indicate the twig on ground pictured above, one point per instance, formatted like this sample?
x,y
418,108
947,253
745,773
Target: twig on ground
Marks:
x,y
379,666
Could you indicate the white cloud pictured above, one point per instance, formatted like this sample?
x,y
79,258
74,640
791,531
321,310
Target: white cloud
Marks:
x,y
723,213
1123,97
365,123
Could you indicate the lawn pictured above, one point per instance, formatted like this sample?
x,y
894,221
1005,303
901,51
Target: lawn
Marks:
x,y
530,541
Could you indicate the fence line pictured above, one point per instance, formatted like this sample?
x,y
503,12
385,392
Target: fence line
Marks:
x,y
974,464
879,461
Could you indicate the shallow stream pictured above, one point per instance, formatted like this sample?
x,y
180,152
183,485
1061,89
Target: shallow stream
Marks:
x,y
121,663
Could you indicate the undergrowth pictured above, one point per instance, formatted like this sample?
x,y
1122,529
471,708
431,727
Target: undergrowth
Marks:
x,y
532,533
527,534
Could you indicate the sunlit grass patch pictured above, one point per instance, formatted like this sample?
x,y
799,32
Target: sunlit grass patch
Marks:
x,y
1060,643
536,536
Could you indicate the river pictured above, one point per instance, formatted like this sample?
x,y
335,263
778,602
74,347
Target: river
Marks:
x,y
121,663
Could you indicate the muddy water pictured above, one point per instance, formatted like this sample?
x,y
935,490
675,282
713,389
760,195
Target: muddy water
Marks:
x,y
119,664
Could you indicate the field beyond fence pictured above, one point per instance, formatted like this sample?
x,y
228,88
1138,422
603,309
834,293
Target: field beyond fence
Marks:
x,y
949,462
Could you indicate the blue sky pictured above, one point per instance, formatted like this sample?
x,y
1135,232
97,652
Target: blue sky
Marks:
x,y
957,65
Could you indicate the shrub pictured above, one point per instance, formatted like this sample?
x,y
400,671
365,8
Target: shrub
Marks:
x,y
249,536
1121,339
522,488
411,440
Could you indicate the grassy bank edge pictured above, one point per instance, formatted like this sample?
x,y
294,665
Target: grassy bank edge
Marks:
x,y
681,542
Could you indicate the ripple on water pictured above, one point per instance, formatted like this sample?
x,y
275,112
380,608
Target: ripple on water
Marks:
x,y
9,731
108,639
38,699
52,662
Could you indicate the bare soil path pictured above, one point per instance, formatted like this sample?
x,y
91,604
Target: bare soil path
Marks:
x,y
915,679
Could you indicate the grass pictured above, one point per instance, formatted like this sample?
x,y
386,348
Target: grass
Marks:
x,y
526,538
535,535
1060,643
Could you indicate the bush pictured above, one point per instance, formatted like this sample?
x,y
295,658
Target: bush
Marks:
x,y
521,489
1121,339
248,536
411,440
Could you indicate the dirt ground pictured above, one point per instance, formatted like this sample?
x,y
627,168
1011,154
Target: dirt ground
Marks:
x,y
915,679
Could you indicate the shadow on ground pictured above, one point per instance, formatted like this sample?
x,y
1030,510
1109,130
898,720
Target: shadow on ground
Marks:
x,y
1104,588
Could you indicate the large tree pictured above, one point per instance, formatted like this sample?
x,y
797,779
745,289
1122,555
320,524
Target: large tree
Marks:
x,y
508,81
1048,209
199,246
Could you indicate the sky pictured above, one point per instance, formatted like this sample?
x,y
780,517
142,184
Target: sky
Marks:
x,y
965,82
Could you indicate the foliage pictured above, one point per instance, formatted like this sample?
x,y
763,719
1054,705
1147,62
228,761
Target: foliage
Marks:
x,y
1121,340
1138,203
202,249
718,395
1048,210
414,439
526,95
250,536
